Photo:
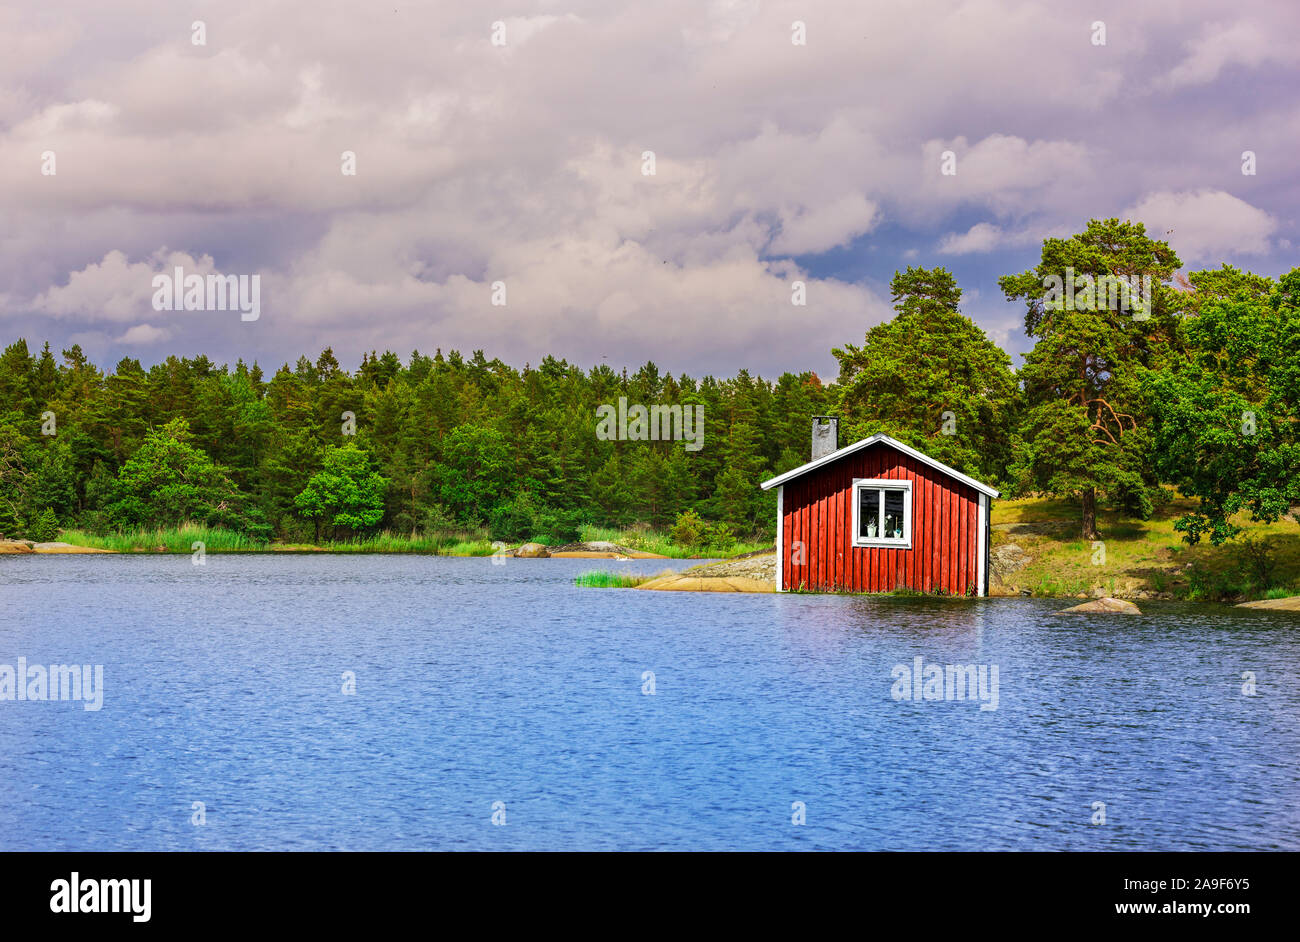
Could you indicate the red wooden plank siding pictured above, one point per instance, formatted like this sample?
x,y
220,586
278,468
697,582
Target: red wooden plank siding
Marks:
x,y
818,513
972,525
914,559
837,538
921,537
810,545
959,545
796,508
851,555
786,535
843,544
959,548
827,532
943,546
814,537
788,520
927,541
917,577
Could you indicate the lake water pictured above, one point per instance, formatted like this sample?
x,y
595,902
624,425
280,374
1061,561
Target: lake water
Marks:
x,y
478,684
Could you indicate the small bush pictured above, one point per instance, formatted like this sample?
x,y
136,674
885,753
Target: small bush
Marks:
x,y
720,537
1258,556
689,529
514,519
554,527
44,528
524,518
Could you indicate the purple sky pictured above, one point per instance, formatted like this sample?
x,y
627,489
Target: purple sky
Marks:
x,y
522,163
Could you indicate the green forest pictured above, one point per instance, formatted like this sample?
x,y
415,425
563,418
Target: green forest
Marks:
x,y
1197,390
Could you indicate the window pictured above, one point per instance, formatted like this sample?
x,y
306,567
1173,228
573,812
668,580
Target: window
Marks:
x,y
882,513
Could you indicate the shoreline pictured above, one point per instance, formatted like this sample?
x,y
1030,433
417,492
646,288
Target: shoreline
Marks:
x,y
743,573
57,548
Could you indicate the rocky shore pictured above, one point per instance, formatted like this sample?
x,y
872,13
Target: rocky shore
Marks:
x,y
596,549
22,547
756,573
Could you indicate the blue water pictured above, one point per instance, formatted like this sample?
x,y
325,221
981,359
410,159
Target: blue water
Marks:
x,y
478,684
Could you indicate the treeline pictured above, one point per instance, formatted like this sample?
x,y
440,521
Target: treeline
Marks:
x,y
1194,383
433,444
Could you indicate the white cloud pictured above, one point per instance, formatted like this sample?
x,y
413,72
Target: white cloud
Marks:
x,y
1004,173
1222,45
144,334
825,227
115,288
478,163
1205,225
981,237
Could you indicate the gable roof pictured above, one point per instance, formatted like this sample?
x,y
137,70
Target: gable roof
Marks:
x,y
879,438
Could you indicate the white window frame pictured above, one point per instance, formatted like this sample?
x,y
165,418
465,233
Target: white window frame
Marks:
x,y
883,484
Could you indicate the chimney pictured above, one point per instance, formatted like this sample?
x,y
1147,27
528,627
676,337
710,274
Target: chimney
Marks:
x,y
825,435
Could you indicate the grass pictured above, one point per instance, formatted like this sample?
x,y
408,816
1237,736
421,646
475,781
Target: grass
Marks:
x,y
216,540
1142,556
450,543
173,540
604,579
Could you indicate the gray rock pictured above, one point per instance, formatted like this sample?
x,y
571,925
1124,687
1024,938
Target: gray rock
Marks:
x,y
1291,604
1007,560
1106,606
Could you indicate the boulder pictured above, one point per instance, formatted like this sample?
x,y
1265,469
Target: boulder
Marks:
x,y
599,549
1107,606
1006,560
1291,604
603,546
532,551
15,546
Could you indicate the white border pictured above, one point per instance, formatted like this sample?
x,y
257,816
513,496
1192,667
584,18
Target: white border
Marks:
x,y
893,443
780,537
980,534
892,484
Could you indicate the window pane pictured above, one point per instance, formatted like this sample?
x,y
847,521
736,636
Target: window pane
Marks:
x,y
868,513
894,515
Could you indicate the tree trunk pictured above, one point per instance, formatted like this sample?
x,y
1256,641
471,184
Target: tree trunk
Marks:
x,y
1090,514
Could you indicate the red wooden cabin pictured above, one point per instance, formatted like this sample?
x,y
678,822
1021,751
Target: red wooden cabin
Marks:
x,y
876,516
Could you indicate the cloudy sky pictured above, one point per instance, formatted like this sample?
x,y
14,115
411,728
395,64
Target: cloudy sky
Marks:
x,y
522,162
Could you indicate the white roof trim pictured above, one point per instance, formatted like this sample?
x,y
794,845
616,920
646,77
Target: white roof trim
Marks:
x,y
879,438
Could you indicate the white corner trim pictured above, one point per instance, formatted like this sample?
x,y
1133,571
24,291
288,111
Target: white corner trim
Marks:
x,y
878,484
981,534
780,538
